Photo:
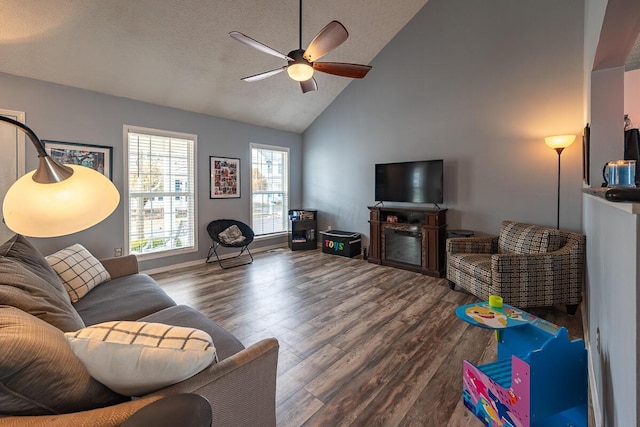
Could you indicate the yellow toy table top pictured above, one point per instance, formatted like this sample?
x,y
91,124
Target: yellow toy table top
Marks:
x,y
483,315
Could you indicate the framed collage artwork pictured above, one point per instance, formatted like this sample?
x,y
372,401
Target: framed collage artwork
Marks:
x,y
225,177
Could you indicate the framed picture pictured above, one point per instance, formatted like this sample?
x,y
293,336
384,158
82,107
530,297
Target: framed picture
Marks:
x,y
96,157
225,178
585,154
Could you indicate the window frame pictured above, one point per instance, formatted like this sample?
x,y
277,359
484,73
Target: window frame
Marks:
x,y
126,129
287,192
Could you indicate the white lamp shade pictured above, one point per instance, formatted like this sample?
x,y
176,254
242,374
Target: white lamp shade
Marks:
x,y
57,209
300,72
559,141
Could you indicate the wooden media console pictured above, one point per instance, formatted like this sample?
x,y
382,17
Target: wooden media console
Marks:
x,y
409,238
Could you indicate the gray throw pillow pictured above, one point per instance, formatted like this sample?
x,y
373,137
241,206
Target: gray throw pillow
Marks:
x,y
39,374
28,282
231,236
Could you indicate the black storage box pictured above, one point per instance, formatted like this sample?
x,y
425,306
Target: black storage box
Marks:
x,y
344,243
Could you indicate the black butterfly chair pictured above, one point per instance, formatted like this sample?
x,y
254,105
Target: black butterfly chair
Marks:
x,y
218,226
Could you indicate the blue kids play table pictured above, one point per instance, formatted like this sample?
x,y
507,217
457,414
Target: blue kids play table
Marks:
x,y
539,378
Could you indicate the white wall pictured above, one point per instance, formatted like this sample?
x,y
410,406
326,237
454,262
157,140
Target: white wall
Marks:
x,y
67,114
607,126
594,11
478,84
611,286
612,271
632,96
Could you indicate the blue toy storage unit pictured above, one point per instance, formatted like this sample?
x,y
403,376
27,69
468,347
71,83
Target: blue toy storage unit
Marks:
x,y
539,378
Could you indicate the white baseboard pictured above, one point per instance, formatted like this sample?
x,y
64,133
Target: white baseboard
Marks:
x,y
200,261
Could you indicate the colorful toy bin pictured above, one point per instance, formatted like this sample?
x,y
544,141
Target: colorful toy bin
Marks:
x,y
344,243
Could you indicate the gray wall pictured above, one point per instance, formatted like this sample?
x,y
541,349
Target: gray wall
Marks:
x,y
478,84
66,114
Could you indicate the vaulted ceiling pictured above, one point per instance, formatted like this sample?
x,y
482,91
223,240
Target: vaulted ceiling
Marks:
x,y
178,53
633,61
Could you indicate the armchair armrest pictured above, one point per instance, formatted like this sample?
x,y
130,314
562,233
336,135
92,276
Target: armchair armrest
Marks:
x,y
519,275
121,266
473,245
530,280
571,255
521,263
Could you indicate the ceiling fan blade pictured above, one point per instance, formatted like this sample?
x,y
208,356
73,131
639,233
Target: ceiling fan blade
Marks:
x,y
257,45
264,75
309,85
355,71
329,38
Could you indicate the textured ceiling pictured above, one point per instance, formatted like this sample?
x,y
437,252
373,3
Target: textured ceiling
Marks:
x,y
633,60
177,53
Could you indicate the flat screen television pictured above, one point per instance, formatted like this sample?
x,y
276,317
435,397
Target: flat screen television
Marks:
x,y
412,182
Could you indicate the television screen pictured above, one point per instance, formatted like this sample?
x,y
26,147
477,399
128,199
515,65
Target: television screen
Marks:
x,y
413,182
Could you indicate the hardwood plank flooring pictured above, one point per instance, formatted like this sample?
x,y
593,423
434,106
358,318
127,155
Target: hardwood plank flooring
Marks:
x,y
360,344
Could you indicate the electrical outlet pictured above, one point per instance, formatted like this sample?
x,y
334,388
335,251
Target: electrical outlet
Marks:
x,y
329,228
117,252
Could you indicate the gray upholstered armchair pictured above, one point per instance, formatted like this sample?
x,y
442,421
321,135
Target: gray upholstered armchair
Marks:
x,y
528,265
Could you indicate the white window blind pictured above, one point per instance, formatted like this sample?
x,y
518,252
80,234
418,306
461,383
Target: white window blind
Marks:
x,y
269,189
161,185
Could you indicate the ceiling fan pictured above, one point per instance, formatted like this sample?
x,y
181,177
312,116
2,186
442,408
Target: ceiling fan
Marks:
x,y
302,63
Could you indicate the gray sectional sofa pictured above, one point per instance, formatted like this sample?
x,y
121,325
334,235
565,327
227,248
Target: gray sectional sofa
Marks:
x,y
42,382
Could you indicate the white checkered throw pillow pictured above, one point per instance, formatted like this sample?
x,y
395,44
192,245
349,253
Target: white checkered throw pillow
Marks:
x,y
78,269
136,358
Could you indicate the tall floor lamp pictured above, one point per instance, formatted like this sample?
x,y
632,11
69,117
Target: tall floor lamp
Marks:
x,y
55,199
559,143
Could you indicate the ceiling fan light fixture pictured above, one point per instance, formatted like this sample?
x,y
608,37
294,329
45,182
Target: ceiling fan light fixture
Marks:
x,y
300,72
302,63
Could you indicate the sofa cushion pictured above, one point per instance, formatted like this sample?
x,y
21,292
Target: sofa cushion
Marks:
x,y
182,315
39,374
519,238
136,358
78,270
125,298
28,282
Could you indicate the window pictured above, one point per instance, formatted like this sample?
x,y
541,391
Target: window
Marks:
x,y
161,204
269,189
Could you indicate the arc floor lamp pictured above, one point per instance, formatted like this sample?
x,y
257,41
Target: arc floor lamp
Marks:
x,y
559,143
56,199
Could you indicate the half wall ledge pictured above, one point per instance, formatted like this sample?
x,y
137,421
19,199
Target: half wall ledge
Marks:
x,y
626,199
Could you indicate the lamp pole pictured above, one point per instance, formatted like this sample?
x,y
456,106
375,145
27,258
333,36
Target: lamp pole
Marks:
x,y
559,143
49,171
559,150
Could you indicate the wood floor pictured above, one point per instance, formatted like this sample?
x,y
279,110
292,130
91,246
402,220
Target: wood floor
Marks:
x,y
360,344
